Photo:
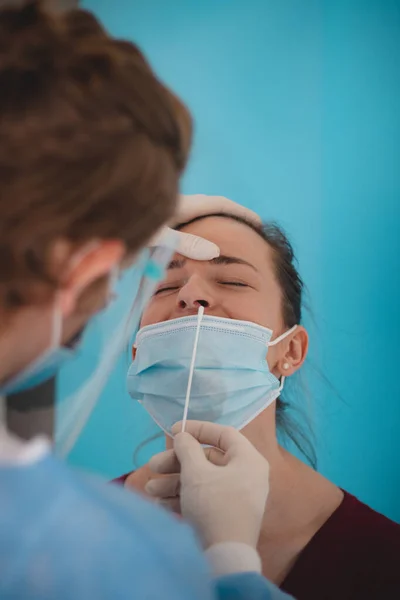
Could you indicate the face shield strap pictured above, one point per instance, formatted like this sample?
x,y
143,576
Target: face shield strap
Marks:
x,y
106,336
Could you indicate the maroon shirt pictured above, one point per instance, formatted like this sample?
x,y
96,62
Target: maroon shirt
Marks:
x,y
355,555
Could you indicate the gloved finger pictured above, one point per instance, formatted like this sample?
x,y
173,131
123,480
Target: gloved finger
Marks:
x,y
187,244
189,452
171,504
215,456
165,463
164,487
197,205
195,247
226,439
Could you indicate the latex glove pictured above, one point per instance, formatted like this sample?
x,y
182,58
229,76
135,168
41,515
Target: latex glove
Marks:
x,y
198,205
187,244
193,206
222,491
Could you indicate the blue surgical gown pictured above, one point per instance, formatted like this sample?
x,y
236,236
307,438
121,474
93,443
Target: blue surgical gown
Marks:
x,y
64,536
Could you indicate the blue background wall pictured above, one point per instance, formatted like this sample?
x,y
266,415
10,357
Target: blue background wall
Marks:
x,y
297,116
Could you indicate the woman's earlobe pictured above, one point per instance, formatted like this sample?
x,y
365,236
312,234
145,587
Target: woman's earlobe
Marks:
x,y
285,368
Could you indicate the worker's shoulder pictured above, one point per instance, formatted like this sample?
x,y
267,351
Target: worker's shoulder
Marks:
x,y
95,535
134,515
160,552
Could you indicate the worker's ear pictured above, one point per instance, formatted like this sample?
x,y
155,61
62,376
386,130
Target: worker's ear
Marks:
x,y
83,267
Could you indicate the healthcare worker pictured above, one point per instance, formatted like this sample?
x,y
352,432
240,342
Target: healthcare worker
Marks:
x,y
92,147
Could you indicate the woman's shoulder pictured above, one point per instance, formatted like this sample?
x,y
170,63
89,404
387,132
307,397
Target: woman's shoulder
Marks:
x,y
93,525
353,555
361,525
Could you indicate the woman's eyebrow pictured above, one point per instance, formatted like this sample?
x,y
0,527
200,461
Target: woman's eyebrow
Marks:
x,y
223,259
177,263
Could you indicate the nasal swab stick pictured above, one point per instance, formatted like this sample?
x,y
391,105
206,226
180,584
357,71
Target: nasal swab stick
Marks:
x,y
191,370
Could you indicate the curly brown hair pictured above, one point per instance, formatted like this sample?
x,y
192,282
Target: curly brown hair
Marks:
x,y
92,144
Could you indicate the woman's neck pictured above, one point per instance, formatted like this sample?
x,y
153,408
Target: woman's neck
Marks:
x,y
299,503
298,494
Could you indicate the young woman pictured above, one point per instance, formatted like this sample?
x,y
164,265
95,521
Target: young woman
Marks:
x,y
317,541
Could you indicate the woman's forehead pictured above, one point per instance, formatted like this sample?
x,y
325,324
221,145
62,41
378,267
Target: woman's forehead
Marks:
x,y
233,239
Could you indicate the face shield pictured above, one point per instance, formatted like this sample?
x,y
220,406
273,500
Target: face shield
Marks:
x,y
104,339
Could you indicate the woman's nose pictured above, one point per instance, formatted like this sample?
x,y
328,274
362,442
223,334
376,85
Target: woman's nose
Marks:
x,y
193,294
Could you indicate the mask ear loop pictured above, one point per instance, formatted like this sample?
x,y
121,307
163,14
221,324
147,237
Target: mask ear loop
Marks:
x,y
191,370
283,336
282,383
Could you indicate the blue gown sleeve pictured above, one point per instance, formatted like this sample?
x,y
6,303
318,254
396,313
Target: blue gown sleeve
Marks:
x,y
246,586
68,537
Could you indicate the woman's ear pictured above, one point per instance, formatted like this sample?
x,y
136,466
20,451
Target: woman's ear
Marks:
x,y
295,353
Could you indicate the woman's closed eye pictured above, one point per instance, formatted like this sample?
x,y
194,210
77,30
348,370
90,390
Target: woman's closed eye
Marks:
x,y
167,288
234,283
174,286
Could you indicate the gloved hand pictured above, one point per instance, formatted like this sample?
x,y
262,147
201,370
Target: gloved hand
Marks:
x,y
193,206
198,205
222,490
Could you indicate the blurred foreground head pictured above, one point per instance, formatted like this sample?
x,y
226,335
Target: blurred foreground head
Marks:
x,y
92,147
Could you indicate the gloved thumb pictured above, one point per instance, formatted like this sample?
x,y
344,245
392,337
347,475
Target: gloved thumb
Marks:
x,y
195,247
189,452
187,244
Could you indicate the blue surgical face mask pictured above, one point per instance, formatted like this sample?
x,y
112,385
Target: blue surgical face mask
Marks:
x,y
45,365
50,361
231,384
